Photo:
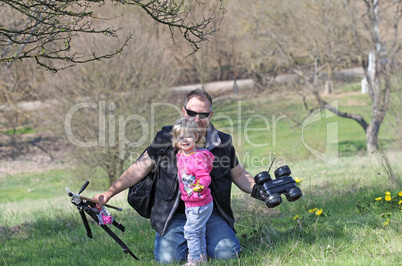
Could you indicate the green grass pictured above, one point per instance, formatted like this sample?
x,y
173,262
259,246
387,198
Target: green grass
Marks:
x,y
20,131
43,230
33,186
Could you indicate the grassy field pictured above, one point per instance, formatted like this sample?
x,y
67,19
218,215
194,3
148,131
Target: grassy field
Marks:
x,y
39,225
47,230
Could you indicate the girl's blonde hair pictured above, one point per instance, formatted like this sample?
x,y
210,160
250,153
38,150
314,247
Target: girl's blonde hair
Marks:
x,y
185,126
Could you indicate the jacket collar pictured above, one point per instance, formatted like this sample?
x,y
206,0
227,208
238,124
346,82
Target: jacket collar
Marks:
x,y
212,139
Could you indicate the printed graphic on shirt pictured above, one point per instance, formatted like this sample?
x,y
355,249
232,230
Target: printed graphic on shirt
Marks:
x,y
188,182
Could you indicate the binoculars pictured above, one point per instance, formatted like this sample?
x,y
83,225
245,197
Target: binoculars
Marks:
x,y
271,189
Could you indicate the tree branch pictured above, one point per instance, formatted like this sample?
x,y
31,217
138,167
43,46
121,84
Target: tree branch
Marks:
x,y
44,29
357,117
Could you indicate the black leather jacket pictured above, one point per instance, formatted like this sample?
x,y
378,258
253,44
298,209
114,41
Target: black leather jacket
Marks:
x,y
167,195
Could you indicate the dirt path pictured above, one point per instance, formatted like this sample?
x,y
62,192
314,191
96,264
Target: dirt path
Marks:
x,y
34,152
220,87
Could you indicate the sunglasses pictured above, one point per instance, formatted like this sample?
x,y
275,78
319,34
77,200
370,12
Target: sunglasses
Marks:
x,y
194,114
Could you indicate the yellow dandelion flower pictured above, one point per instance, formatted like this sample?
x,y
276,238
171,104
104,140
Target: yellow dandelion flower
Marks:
x,y
400,194
400,202
387,198
298,180
296,217
318,212
387,193
378,199
386,223
312,210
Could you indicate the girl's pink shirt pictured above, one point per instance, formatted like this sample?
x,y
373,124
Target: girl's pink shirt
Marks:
x,y
198,164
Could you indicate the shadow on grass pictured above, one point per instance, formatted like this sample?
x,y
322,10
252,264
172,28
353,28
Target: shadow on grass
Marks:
x,y
350,148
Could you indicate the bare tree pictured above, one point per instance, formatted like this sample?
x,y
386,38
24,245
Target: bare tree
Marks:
x,y
309,38
385,51
60,34
17,84
381,23
207,64
46,30
120,93
260,30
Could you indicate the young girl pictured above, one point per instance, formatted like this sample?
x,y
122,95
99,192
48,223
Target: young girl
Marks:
x,y
194,167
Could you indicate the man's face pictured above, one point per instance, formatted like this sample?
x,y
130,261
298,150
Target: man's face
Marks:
x,y
199,106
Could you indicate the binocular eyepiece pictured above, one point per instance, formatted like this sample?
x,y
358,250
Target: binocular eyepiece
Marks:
x,y
271,189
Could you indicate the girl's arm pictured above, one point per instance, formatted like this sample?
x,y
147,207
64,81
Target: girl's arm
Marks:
x,y
202,170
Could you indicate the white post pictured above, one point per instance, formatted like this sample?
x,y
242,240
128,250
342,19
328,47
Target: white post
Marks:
x,y
364,85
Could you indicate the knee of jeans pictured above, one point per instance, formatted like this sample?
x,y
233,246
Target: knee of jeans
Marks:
x,y
167,258
163,259
225,249
165,252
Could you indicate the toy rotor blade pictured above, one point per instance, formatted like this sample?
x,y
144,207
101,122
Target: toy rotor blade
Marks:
x,y
84,186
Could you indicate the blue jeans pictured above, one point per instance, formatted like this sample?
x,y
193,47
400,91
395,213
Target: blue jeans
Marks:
x,y
222,242
195,230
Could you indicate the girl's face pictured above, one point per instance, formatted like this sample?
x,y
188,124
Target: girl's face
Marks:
x,y
186,142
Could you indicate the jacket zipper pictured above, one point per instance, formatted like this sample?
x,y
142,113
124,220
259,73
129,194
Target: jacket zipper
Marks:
x,y
176,204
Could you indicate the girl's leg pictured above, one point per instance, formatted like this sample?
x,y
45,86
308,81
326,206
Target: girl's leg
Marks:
x,y
194,231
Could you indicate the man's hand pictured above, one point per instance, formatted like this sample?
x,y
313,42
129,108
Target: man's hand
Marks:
x,y
257,194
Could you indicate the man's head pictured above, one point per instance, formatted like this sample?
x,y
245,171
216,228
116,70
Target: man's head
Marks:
x,y
198,106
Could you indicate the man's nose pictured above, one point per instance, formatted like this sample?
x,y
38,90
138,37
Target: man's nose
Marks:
x,y
197,118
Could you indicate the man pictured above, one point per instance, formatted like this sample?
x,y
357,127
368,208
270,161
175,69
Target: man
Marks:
x,y
167,215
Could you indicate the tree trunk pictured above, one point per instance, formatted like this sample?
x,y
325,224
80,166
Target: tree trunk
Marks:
x,y
328,88
379,97
372,136
329,85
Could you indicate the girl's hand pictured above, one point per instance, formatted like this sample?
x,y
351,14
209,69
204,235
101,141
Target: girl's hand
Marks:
x,y
197,187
